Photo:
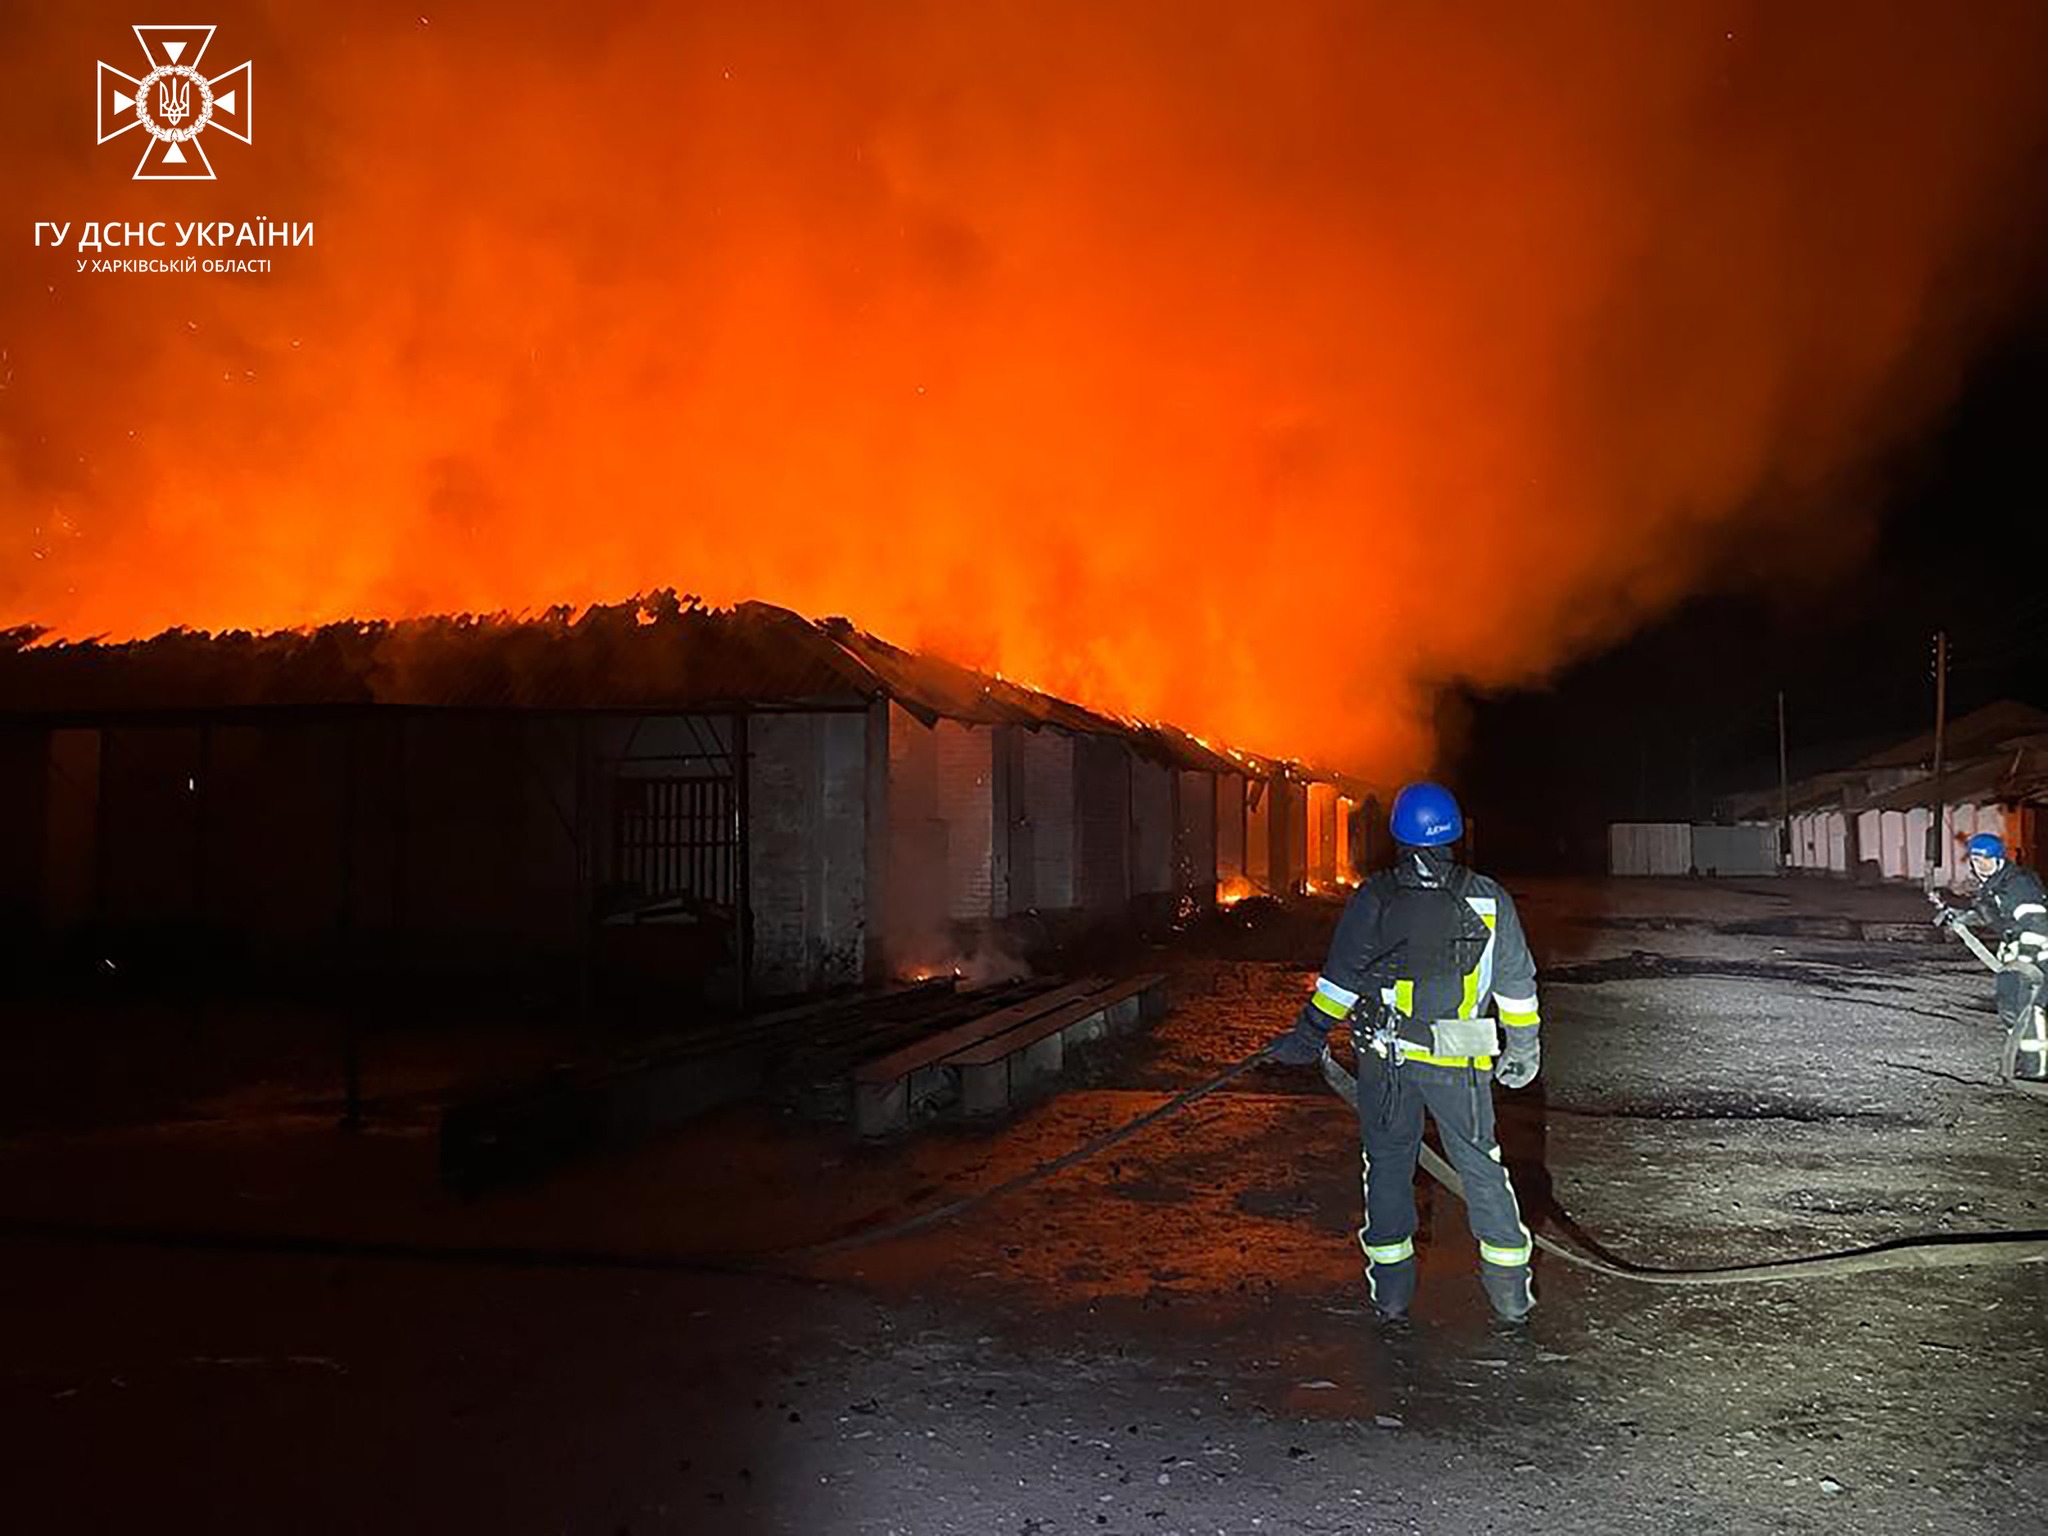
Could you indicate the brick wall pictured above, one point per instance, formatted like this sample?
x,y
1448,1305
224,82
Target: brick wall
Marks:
x,y
1102,794
1152,827
1043,823
1194,848
808,849
966,804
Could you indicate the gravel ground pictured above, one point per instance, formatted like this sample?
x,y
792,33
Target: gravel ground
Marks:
x,y
1171,1338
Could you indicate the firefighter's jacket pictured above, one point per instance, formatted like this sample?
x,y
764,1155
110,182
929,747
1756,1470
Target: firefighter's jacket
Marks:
x,y
2013,906
1431,941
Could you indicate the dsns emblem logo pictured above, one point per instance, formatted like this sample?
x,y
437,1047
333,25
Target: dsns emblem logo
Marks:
x,y
174,104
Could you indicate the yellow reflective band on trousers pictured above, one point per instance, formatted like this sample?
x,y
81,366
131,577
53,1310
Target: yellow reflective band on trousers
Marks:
x,y
1388,1253
1506,1258
1515,1020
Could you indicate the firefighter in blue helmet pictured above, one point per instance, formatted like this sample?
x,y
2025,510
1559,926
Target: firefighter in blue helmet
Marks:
x,y
1424,956
2011,906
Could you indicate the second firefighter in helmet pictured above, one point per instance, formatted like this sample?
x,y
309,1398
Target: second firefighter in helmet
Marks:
x,y
2011,905
1431,970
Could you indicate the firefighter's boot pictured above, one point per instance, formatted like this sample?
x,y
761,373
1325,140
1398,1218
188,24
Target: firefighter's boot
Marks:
x,y
1508,1290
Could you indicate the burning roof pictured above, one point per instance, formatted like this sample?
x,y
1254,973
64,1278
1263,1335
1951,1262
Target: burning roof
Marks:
x,y
1262,368
661,652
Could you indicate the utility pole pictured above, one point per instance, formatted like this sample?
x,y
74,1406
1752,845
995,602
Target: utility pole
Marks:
x,y
1936,838
1784,789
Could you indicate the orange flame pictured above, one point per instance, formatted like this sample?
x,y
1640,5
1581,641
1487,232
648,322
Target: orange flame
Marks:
x,y
1261,369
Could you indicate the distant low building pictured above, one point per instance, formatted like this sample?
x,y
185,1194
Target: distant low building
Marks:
x,y
1870,820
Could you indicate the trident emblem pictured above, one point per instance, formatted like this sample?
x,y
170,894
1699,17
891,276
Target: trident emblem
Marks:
x,y
174,103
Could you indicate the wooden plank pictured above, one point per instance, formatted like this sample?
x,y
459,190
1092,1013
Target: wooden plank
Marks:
x,y
819,1018
938,1047
1011,1041
814,1075
833,1061
822,1040
1116,1007
878,1034
861,1001
1140,999
989,1084
995,1072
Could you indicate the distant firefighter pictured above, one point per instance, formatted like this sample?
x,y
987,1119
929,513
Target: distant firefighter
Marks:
x,y
2011,906
1424,954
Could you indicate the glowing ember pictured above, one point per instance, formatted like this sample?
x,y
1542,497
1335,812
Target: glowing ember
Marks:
x,y
1233,890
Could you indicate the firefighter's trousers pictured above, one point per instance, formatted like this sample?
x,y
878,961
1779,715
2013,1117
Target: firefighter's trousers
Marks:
x,y
1391,1101
2020,997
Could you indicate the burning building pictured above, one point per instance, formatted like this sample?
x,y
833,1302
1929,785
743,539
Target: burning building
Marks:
x,y
731,802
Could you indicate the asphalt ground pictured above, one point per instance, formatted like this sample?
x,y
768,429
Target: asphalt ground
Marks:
x,y
232,1318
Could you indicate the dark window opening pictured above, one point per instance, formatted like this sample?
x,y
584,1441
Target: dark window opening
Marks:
x,y
677,844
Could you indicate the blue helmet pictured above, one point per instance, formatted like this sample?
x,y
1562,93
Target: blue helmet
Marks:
x,y
1426,816
1987,845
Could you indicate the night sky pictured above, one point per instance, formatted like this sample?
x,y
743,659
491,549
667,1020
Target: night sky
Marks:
x,y
1686,709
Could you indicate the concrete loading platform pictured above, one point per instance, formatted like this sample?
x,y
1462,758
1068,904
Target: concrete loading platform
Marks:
x,y
985,1064
881,1060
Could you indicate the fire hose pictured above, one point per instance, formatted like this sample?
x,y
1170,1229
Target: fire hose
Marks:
x,y
1932,1252
1913,1253
1901,1253
1928,1252
1951,920
1971,942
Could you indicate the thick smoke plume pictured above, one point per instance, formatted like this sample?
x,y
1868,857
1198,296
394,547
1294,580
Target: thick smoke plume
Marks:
x,y
1256,366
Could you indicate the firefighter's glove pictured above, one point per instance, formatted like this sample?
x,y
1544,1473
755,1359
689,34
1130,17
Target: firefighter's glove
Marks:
x,y
1517,1069
1946,913
1302,1045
